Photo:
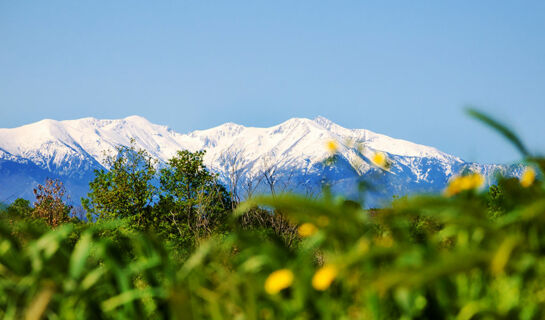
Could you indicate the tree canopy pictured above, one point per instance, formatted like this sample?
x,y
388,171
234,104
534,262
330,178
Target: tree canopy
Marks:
x,y
192,201
182,202
126,190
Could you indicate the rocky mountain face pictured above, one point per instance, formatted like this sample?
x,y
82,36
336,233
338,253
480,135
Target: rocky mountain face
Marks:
x,y
290,156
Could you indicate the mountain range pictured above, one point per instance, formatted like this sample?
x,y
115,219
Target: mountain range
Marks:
x,y
291,156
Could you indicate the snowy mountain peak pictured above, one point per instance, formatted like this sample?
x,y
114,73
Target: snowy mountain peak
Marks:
x,y
137,120
72,149
299,136
324,122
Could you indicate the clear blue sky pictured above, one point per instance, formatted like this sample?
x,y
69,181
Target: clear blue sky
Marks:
x,y
405,69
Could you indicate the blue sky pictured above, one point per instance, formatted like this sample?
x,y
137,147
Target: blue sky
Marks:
x,y
405,69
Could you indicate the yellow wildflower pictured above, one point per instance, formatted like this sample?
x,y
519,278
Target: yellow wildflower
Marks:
x,y
332,146
323,277
278,280
379,159
528,177
453,187
307,229
476,181
463,183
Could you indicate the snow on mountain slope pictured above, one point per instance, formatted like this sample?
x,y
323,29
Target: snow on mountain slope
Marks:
x,y
294,150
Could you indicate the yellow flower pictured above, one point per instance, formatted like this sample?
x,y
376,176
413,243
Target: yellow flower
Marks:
x,y
380,160
278,280
323,277
307,229
463,183
528,177
454,187
476,181
332,146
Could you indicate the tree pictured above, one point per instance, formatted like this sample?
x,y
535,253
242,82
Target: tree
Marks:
x,y
192,202
20,207
251,183
268,170
50,203
126,190
233,170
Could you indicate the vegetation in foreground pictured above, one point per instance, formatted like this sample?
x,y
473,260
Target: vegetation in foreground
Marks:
x,y
181,251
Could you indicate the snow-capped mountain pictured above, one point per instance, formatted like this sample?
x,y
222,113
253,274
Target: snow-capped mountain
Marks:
x,y
288,156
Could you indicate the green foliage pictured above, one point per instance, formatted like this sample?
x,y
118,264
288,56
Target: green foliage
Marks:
x,y
192,203
496,202
46,274
20,207
189,204
126,190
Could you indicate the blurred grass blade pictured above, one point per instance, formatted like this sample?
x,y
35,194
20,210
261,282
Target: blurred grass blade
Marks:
x,y
506,132
129,296
39,304
80,254
92,277
502,255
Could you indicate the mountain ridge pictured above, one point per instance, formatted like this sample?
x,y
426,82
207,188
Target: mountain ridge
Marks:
x,y
294,150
